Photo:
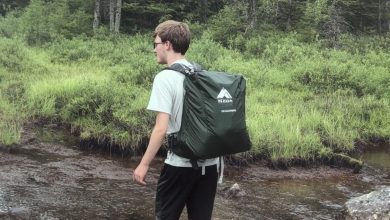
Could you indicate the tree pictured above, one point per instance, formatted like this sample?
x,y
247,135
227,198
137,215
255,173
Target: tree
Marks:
x,y
204,8
383,21
252,13
367,16
8,5
335,24
114,14
316,13
118,15
387,15
96,19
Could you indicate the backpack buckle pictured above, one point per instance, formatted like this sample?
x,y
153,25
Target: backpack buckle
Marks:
x,y
188,72
171,140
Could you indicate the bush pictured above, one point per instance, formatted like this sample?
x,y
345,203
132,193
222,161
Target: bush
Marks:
x,y
205,52
17,64
65,51
98,107
13,56
327,79
44,21
227,24
10,123
10,26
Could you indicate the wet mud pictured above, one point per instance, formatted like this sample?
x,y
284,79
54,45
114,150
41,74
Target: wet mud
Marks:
x,y
49,177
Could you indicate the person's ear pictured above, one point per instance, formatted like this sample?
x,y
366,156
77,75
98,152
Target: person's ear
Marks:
x,y
168,44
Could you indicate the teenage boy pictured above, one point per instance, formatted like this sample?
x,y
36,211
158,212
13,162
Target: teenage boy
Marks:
x,y
179,184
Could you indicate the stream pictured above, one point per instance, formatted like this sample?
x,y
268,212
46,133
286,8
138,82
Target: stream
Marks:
x,y
49,177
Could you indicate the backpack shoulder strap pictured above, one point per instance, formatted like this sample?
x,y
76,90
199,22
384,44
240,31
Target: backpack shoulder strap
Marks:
x,y
187,71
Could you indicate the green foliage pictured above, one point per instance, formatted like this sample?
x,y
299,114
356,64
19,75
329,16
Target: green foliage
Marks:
x,y
227,24
303,101
135,12
328,77
364,44
98,89
43,21
17,64
82,100
316,12
66,51
7,6
12,55
205,51
10,27
10,123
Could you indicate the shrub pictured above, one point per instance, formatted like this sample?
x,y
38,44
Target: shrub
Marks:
x,y
225,26
13,56
43,21
10,26
10,123
65,51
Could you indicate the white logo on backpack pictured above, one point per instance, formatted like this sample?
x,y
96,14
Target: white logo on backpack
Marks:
x,y
224,96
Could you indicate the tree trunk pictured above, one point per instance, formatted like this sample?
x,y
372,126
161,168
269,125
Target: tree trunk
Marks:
x,y
388,15
290,9
118,15
96,19
112,16
252,14
204,10
379,17
276,12
335,25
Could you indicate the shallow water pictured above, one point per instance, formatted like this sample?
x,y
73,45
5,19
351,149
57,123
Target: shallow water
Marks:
x,y
50,178
296,194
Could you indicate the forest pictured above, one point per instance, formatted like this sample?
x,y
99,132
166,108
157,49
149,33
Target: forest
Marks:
x,y
318,71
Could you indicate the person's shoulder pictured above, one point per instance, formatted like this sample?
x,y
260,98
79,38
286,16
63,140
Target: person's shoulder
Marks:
x,y
166,73
168,77
184,62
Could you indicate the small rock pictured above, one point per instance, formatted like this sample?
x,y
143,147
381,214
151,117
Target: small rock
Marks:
x,y
45,216
374,205
234,191
20,213
38,179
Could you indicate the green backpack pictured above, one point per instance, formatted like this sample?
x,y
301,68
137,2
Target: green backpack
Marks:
x,y
213,121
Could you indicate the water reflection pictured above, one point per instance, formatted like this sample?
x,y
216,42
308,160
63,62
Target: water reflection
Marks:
x,y
62,182
378,157
303,198
3,201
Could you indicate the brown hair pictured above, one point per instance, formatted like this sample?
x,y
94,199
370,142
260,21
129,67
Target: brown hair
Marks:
x,y
177,33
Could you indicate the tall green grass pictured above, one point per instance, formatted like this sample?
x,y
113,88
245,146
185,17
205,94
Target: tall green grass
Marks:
x,y
10,123
303,101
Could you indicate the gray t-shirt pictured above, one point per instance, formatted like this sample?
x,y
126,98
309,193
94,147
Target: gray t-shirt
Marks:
x,y
167,96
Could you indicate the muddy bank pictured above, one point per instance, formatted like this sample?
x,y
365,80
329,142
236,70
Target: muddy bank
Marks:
x,y
53,178
48,176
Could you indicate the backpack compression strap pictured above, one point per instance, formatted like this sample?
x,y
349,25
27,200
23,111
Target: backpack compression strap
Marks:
x,y
187,71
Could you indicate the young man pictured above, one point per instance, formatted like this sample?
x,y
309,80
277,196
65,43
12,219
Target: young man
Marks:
x,y
180,184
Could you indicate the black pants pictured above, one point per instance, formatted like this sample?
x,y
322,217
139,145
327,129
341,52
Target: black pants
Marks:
x,y
180,186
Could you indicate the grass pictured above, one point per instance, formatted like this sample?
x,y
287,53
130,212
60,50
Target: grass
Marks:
x,y
303,102
10,124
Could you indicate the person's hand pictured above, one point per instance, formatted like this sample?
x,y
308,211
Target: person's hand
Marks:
x,y
140,173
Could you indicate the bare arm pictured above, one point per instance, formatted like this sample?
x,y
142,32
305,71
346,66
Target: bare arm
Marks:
x,y
156,139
